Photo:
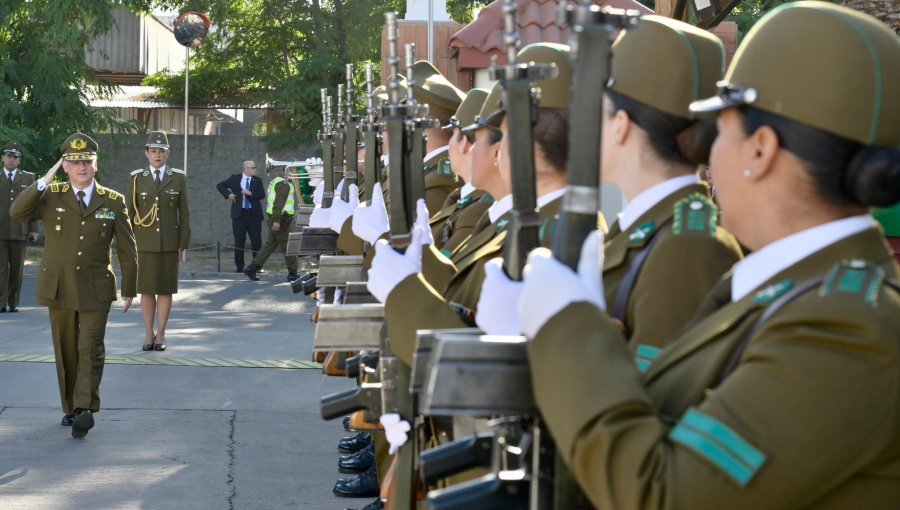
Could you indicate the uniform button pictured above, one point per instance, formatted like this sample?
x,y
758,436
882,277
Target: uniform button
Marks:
x,y
79,254
157,230
77,268
80,237
82,223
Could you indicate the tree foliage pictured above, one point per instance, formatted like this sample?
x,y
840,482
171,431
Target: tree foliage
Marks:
x,y
280,53
44,78
464,11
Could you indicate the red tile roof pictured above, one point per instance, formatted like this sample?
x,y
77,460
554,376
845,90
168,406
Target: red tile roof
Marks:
x,y
536,19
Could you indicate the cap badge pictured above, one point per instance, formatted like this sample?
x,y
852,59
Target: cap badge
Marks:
x,y
78,144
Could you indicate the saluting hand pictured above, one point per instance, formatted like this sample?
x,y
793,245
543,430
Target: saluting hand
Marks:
x,y
48,177
127,306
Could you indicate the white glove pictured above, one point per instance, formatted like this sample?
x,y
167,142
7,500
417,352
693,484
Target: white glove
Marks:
x,y
338,296
498,310
389,268
320,296
543,272
318,193
422,218
395,430
341,210
371,221
319,218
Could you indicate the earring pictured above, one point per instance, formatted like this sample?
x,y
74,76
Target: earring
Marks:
x,y
747,172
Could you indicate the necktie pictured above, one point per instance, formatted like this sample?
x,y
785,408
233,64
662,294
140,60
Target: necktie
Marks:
x,y
246,199
80,195
9,176
157,178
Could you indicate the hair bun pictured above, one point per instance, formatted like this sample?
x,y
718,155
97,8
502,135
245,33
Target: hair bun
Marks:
x,y
873,177
695,142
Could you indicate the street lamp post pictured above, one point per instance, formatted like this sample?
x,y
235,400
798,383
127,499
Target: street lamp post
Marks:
x,y
191,29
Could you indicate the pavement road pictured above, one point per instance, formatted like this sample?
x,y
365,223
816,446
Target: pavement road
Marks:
x,y
195,427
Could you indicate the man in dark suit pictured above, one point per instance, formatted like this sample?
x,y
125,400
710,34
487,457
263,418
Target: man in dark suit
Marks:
x,y
245,191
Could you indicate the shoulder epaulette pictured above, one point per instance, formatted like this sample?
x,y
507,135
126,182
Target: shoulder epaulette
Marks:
x,y
26,172
857,276
177,171
54,187
444,168
135,172
695,213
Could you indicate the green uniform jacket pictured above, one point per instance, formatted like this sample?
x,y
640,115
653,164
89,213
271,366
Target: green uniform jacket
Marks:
x,y
810,417
283,190
76,270
680,269
454,223
10,229
416,304
171,229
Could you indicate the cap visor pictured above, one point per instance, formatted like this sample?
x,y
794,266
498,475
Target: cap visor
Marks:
x,y
713,104
156,146
79,157
12,153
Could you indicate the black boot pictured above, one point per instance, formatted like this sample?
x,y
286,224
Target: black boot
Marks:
x,y
292,276
353,444
357,462
363,486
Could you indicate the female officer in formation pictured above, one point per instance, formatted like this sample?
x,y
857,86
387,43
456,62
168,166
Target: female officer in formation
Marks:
x,y
784,392
651,148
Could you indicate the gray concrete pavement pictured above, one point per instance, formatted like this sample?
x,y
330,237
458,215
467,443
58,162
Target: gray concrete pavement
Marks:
x,y
176,437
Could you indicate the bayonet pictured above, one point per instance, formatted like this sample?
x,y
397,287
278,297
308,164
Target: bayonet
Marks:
x,y
372,138
351,139
339,139
327,139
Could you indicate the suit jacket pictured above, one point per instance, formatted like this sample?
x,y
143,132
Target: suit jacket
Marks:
x,y
680,269
10,229
808,419
232,185
76,270
171,229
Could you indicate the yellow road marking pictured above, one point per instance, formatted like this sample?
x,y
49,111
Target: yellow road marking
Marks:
x,y
285,364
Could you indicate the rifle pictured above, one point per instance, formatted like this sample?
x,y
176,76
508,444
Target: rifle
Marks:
x,y
520,102
326,138
351,139
338,161
371,129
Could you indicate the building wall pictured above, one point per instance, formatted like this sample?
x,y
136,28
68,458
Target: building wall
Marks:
x,y
211,159
417,32
136,44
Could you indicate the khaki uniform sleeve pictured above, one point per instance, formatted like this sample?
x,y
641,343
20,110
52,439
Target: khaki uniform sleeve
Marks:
x,y
415,305
184,216
785,430
282,190
437,187
27,206
347,241
126,249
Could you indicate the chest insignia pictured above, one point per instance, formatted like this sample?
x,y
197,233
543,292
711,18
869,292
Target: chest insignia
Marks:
x,y
105,214
639,235
772,292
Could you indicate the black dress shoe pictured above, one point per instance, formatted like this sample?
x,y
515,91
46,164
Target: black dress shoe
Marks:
x,y
346,423
149,347
250,272
375,505
159,347
239,270
359,461
82,423
67,420
353,444
363,486
13,309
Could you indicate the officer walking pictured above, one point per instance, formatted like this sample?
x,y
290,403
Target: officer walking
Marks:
x,y
280,206
13,234
76,281
158,205
244,191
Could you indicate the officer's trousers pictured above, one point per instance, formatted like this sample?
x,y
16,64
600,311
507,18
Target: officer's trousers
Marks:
x,y
12,262
278,240
80,353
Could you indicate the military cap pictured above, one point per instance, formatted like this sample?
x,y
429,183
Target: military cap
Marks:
x,y
435,90
486,117
554,91
658,46
822,65
79,147
468,109
382,96
157,139
13,149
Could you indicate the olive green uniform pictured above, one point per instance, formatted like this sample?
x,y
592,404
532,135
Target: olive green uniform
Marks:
x,y
13,238
278,240
440,181
787,429
455,222
416,303
76,281
687,254
162,225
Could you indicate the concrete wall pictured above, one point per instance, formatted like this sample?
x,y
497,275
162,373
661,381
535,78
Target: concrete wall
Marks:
x,y
211,159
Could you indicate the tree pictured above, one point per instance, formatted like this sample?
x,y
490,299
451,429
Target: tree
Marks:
x,y
464,11
44,79
280,53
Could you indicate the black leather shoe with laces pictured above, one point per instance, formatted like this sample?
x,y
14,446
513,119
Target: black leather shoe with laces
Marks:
x,y
363,486
353,444
359,461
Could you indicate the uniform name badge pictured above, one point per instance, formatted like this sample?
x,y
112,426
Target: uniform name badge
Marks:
x,y
105,214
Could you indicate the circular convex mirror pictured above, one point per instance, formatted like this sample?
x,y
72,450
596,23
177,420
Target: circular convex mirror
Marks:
x,y
191,29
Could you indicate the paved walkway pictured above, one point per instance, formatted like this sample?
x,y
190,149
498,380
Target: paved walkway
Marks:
x,y
226,418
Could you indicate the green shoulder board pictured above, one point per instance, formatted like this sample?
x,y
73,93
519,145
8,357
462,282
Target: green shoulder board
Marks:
x,y
695,213
854,277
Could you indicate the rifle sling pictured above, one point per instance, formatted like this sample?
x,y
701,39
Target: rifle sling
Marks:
x,y
626,287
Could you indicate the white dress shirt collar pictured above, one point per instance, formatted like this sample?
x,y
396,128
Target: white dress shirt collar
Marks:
x,y
499,208
88,192
466,190
760,266
162,171
652,196
10,174
546,198
434,152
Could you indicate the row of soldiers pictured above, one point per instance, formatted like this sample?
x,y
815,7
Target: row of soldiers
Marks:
x,y
694,354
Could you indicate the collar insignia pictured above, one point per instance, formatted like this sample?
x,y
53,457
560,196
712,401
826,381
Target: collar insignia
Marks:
x,y
772,292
